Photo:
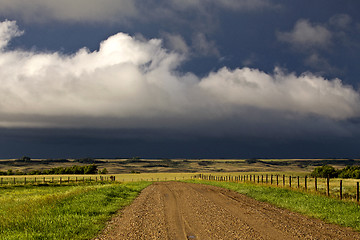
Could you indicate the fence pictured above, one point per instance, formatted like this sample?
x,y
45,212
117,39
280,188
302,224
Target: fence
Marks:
x,y
53,180
88,179
330,187
341,188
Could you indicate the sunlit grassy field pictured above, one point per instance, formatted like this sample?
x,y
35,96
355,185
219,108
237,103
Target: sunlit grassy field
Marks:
x,y
79,210
117,166
77,206
61,212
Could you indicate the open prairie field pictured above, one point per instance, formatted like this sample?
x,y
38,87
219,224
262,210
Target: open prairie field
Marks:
x,y
172,210
75,211
137,165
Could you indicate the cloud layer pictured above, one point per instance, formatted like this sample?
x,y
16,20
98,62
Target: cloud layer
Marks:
x,y
115,10
67,10
135,83
306,34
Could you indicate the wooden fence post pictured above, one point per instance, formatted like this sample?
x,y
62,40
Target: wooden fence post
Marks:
x,y
262,179
357,191
14,181
284,180
305,182
328,186
340,189
271,179
266,178
298,179
289,181
25,181
60,180
258,178
277,180
44,180
315,183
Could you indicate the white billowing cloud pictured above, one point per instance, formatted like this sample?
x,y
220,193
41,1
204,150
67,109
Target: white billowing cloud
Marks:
x,y
8,30
69,10
306,34
130,82
305,94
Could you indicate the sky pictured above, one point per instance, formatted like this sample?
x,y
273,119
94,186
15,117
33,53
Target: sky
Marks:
x,y
180,79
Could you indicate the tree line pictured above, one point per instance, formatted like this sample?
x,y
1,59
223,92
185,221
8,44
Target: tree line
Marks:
x,y
329,171
87,169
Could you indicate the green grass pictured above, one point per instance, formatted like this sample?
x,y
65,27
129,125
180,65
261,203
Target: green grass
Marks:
x,y
61,212
329,209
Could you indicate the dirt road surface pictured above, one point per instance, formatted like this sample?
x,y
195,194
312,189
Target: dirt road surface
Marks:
x,y
174,210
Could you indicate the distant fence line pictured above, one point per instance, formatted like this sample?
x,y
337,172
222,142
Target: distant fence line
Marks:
x,y
330,187
327,186
53,180
64,180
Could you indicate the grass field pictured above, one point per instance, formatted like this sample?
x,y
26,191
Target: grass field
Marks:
x,y
78,210
278,180
124,166
61,212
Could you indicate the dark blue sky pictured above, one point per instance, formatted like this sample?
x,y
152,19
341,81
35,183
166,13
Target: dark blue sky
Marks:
x,y
201,78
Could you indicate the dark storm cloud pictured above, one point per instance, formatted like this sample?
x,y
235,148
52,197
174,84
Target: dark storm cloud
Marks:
x,y
302,138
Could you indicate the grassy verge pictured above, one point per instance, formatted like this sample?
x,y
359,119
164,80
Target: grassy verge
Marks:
x,y
329,209
61,212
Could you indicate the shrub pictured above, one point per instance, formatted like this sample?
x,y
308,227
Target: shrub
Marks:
x,y
205,163
251,160
350,172
85,160
324,172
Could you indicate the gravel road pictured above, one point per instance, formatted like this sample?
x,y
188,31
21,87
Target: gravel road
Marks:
x,y
175,210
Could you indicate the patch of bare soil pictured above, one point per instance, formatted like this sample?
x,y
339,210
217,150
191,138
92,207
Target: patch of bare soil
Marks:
x,y
174,210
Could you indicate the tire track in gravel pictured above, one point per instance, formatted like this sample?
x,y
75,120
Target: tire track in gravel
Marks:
x,y
175,210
